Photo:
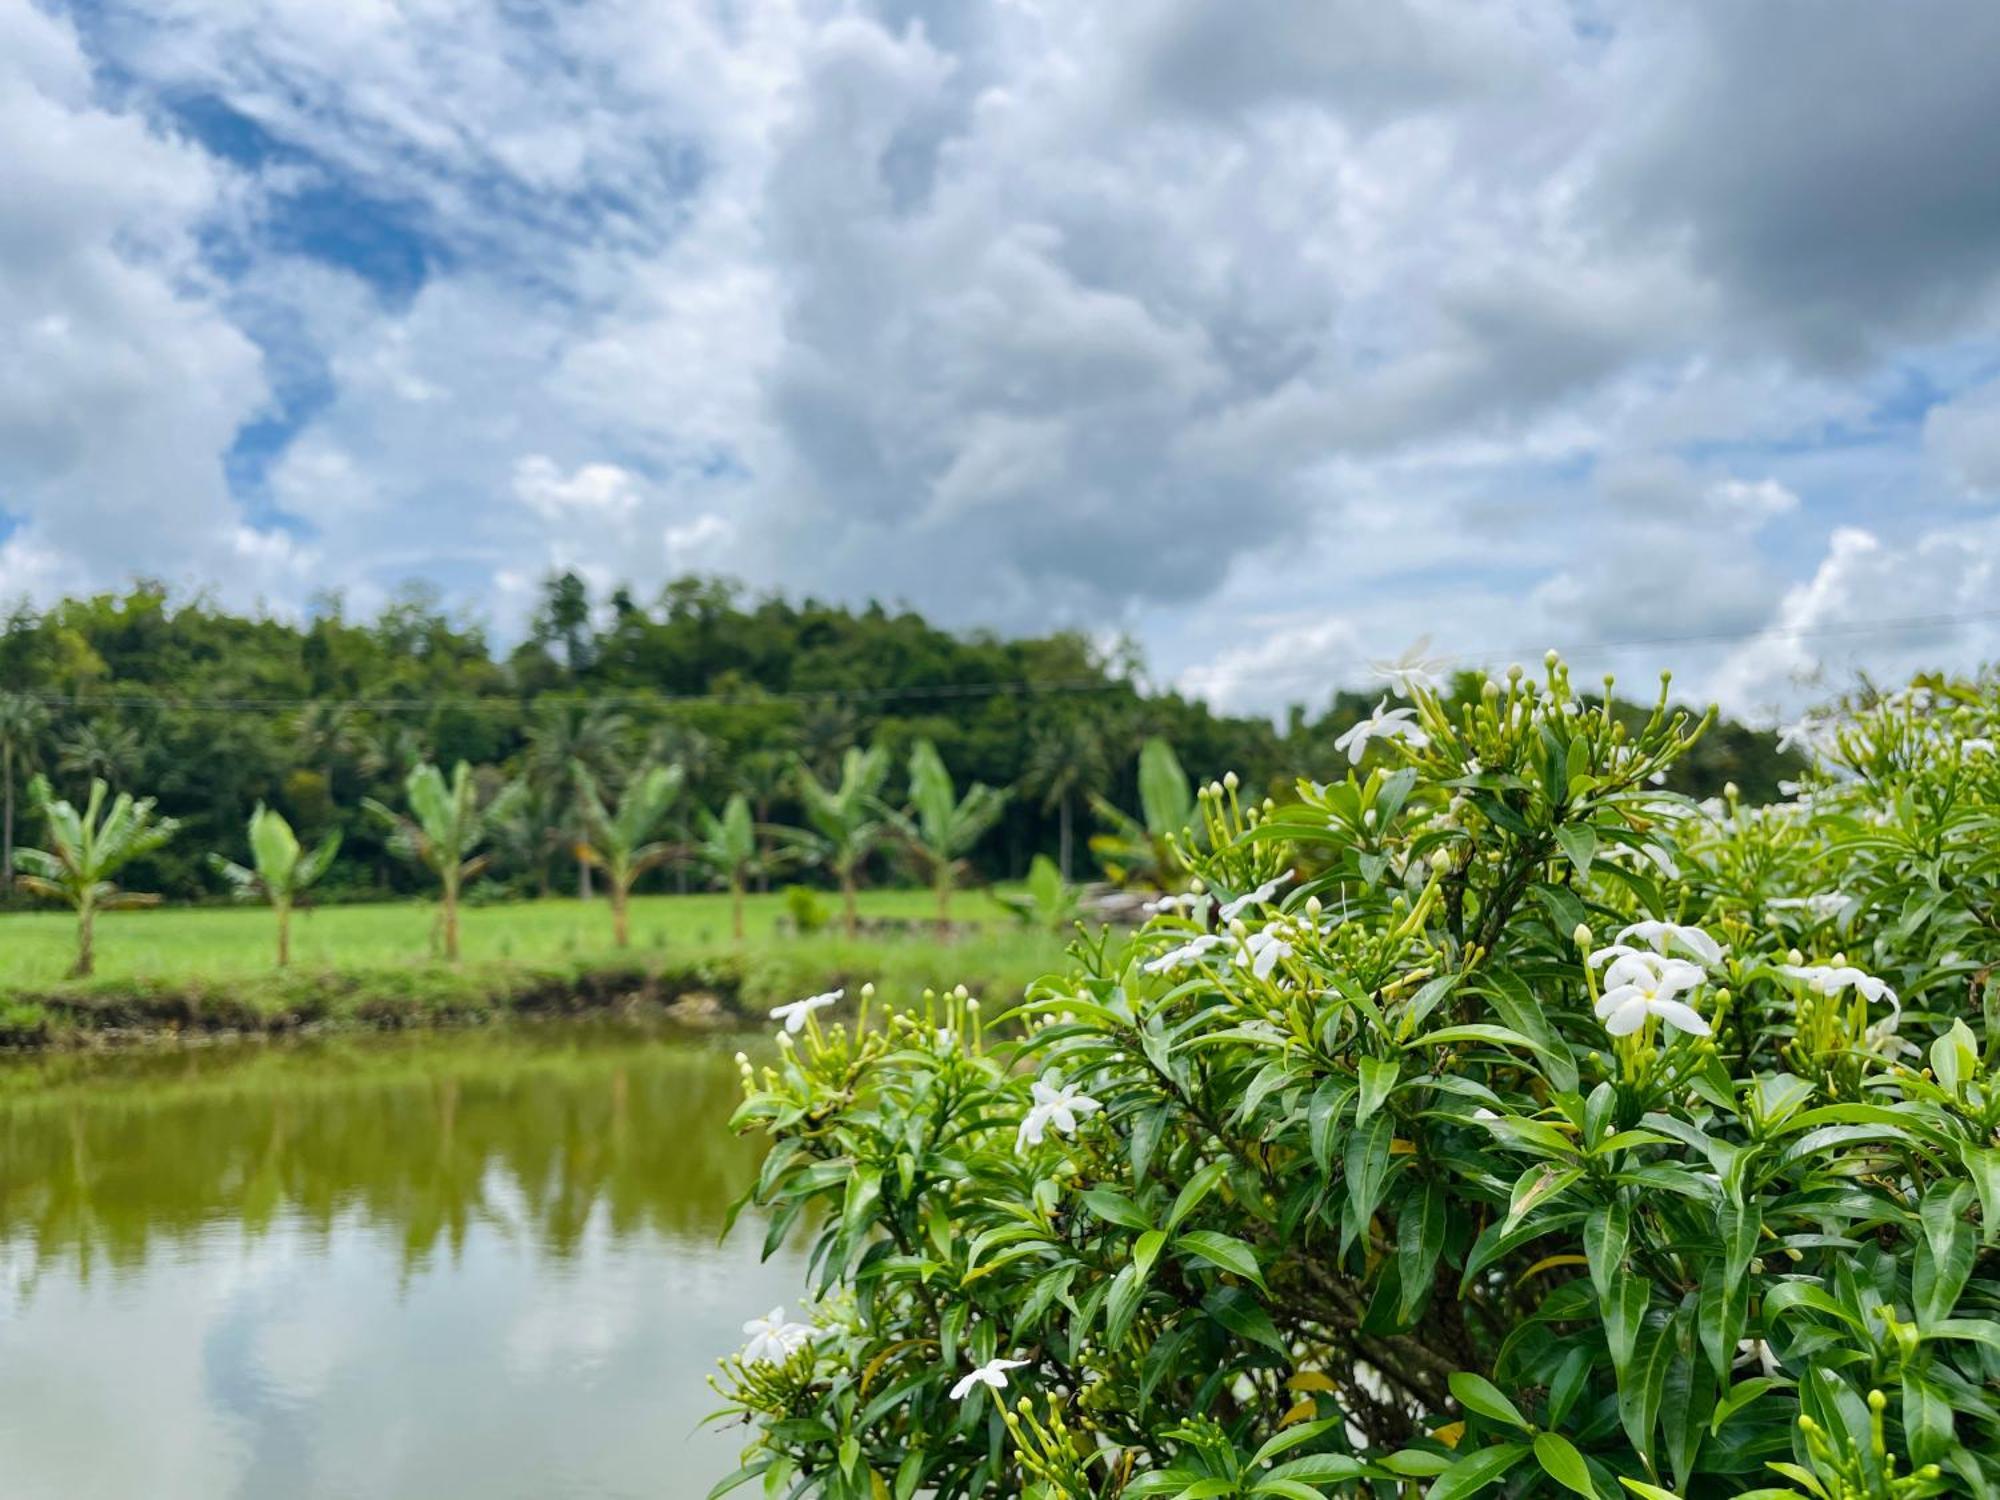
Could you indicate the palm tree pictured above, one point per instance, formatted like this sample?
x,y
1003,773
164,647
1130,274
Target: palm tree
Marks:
x,y
100,752
444,825
281,872
1141,849
568,737
621,842
1066,758
23,722
848,818
528,830
941,827
90,847
731,849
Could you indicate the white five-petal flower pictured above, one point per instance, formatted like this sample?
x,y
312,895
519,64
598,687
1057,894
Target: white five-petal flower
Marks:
x,y
1831,979
992,1374
772,1340
1185,954
1412,669
794,1015
1640,984
1384,724
1261,951
1248,899
1057,1105
1664,937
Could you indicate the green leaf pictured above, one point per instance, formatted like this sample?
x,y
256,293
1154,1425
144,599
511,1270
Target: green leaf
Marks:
x,y
1475,1471
1232,1255
1198,1187
1292,1437
1535,1187
1329,1103
1378,1077
1367,1164
1561,1462
1477,1393
1146,1249
1579,842
1605,1234
1419,1241
1642,1385
1115,1208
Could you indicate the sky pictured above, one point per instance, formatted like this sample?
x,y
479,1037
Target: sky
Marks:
x,y
1272,334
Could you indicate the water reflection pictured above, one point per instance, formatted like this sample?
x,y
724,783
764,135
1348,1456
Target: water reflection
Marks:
x,y
479,1264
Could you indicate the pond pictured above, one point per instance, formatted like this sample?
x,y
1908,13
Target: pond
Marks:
x,y
479,1263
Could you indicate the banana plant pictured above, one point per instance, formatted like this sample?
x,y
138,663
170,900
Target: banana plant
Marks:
x,y
728,846
847,818
620,841
1047,901
940,827
443,827
1139,851
89,848
280,871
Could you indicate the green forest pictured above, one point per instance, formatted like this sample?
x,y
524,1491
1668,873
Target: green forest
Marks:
x,y
212,712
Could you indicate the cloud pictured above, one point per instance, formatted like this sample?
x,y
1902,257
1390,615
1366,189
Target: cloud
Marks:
x,y
124,382
1962,441
1118,316
1887,606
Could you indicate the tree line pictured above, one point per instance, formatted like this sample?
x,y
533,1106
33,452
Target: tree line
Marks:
x,y
759,698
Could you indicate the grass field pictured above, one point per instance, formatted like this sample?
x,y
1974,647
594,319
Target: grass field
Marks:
x,y
213,967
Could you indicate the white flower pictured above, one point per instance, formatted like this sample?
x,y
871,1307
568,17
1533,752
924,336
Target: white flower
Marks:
x,y
1412,669
1662,936
1756,1350
1831,979
1640,984
772,1340
1057,1106
1189,901
794,1015
1394,724
1976,746
1261,951
1181,957
993,1373
1257,897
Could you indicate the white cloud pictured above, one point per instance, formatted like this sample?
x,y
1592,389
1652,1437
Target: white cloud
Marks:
x,y
1098,314
1962,440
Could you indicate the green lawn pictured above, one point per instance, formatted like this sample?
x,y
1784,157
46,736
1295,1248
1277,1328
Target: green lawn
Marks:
x,y
192,957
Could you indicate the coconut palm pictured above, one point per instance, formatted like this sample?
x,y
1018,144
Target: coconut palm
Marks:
x,y
848,818
279,871
23,722
621,841
1066,759
443,827
89,848
105,752
567,737
940,827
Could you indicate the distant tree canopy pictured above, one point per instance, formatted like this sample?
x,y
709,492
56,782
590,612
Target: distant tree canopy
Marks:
x,y
213,712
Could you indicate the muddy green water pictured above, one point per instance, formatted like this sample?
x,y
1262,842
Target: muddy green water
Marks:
x,y
477,1264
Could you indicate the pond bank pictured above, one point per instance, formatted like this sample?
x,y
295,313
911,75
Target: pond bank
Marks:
x,y
725,990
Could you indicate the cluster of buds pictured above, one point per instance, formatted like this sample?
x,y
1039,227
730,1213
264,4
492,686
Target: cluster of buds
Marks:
x,y
1845,1474
1050,1451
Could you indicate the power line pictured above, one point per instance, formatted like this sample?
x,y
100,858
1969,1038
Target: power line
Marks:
x,y
962,690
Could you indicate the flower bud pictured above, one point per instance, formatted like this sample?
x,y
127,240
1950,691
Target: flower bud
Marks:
x,y
1581,937
1230,781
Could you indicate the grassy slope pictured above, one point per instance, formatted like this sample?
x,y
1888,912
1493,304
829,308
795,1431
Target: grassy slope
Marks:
x,y
205,968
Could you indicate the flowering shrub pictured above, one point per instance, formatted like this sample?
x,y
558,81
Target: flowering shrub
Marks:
x,y
1488,1121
